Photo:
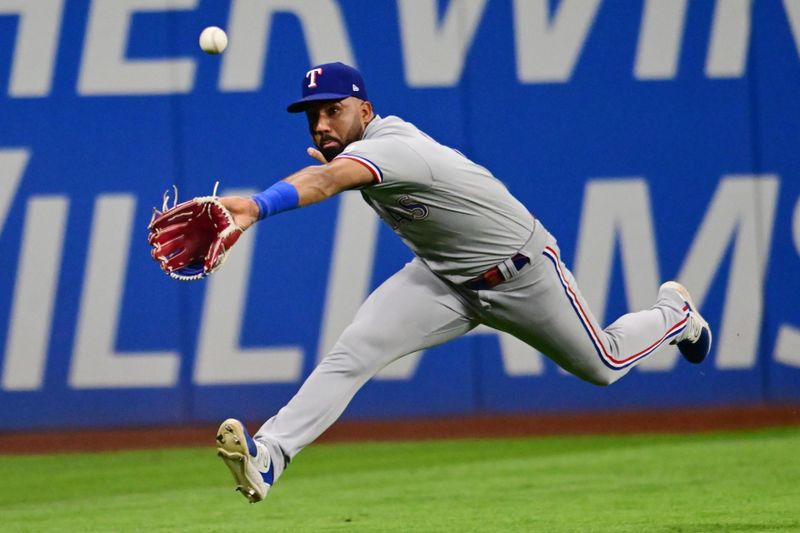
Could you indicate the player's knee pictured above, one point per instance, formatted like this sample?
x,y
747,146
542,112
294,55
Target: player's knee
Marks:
x,y
359,352
602,377
601,380
346,363
354,357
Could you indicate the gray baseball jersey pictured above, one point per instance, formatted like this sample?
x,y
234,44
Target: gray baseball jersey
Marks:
x,y
453,214
460,221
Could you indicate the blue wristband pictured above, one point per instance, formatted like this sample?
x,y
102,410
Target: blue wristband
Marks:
x,y
280,197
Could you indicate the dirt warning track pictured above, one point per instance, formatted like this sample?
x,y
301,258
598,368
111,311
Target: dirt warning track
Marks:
x,y
659,421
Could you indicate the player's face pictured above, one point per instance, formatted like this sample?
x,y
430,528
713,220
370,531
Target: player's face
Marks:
x,y
335,124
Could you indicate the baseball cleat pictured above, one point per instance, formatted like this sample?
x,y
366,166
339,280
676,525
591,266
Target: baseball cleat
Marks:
x,y
694,342
248,460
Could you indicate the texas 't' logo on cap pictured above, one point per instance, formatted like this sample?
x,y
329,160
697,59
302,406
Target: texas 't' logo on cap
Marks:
x,y
329,81
312,77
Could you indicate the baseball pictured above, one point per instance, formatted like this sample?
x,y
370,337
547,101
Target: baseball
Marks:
x,y
213,40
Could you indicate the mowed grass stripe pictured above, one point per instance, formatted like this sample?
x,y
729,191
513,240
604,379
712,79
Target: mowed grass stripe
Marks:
x,y
747,481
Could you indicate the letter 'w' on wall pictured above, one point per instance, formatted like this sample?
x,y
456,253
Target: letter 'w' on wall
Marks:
x,y
434,52
250,30
549,44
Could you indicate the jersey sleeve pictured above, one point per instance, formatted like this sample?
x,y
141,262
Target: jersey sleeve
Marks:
x,y
392,162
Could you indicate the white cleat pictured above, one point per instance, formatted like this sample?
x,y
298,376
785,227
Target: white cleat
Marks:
x,y
694,342
248,460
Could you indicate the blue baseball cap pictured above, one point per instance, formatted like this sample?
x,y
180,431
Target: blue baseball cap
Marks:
x,y
329,81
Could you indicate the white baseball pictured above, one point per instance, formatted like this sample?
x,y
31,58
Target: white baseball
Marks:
x,y
213,40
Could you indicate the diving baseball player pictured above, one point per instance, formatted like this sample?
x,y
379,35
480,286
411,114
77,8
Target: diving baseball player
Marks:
x,y
481,258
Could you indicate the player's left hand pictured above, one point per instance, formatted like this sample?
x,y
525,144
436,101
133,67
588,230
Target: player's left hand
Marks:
x,y
316,154
243,210
191,240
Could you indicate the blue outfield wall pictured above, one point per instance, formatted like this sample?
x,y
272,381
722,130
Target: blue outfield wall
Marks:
x,y
656,140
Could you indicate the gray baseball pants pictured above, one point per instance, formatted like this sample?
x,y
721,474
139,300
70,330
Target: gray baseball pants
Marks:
x,y
415,309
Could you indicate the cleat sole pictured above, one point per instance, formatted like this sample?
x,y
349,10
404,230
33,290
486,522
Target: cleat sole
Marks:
x,y
233,452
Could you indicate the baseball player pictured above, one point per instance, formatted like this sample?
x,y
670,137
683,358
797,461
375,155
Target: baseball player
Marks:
x,y
481,258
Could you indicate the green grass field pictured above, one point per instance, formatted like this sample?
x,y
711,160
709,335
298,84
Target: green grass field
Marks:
x,y
715,482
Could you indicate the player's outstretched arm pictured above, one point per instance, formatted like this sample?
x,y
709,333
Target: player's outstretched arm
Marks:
x,y
305,187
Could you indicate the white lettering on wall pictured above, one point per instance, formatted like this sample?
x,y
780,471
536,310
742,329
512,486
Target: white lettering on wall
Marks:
x,y
36,45
549,38
95,362
12,168
787,346
792,8
742,212
35,292
220,360
434,53
106,71
548,51
730,39
660,39
323,26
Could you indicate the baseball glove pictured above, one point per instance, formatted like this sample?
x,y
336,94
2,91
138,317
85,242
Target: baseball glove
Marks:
x,y
191,240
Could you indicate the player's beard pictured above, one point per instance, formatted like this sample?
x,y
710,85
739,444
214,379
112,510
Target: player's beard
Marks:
x,y
354,134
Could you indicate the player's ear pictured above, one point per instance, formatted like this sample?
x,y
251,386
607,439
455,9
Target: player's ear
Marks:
x,y
365,111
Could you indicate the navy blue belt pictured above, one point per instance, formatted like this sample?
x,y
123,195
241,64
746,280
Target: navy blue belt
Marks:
x,y
494,276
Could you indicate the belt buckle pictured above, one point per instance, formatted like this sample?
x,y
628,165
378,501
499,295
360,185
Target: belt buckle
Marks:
x,y
494,276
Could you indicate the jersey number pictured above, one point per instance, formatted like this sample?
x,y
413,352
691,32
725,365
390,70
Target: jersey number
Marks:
x,y
407,210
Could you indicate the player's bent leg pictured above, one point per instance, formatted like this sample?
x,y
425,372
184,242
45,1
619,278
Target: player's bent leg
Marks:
x,y
641,334
411,311
553,317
